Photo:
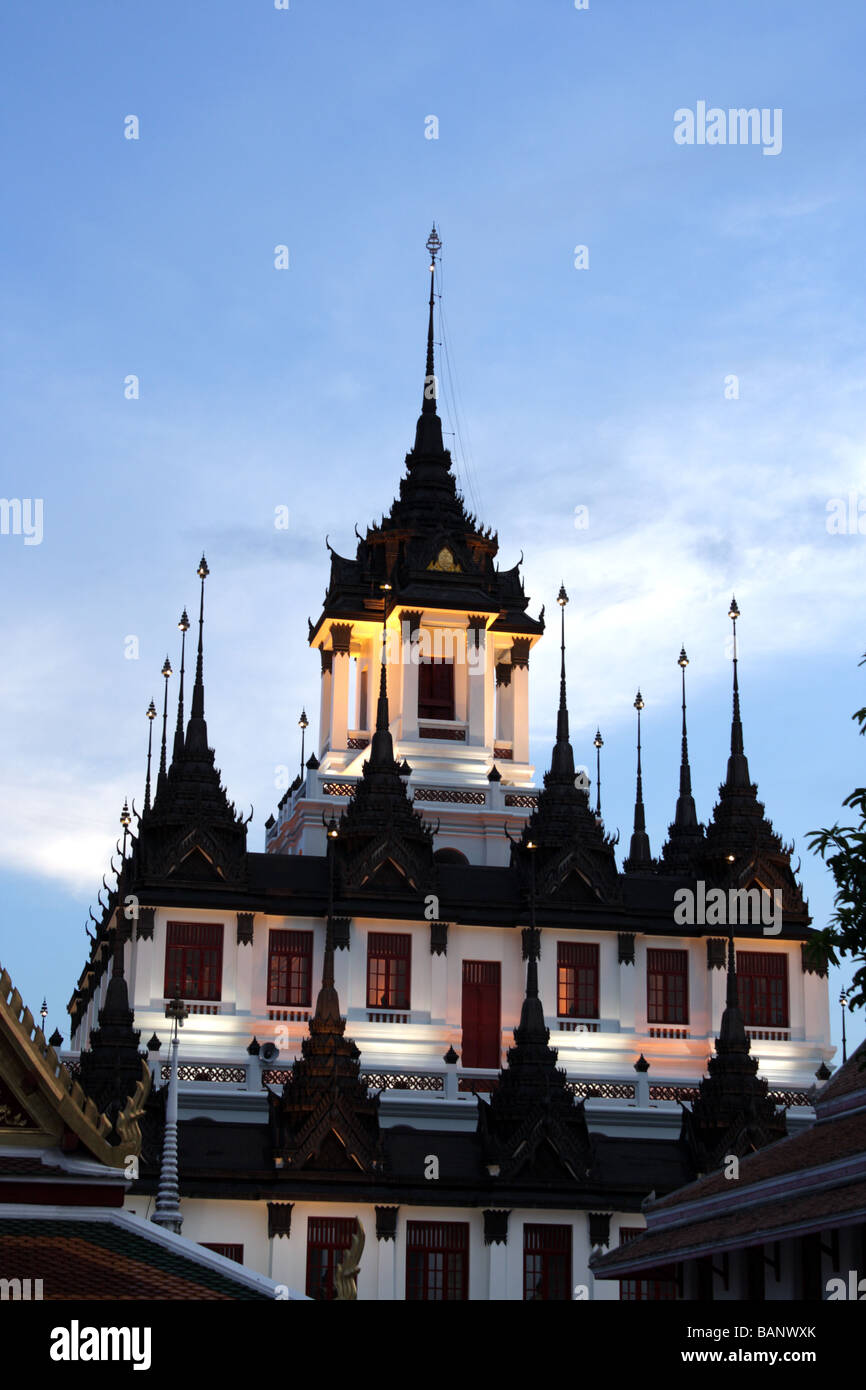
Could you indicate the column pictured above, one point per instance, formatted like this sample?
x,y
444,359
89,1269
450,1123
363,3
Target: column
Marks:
x,y
386,1235
410,627
476,677
244,966
520,698
496,1238
717,956
325,700
627,981
341,636
439,973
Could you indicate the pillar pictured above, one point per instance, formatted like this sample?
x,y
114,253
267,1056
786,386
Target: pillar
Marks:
x,y
325,700
410,627
341,635
386,1236
496,1237
520,698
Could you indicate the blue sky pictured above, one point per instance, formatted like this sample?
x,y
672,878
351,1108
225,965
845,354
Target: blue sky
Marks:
x,y
602,387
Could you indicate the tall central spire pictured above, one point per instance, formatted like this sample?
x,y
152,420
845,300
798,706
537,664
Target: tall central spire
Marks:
x,y
428,433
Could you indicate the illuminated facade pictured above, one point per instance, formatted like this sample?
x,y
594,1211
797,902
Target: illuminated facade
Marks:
x,y
354,989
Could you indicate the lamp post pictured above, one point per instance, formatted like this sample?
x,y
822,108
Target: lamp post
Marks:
x,y
843,1000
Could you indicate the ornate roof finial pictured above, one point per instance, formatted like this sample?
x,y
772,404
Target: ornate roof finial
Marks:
x,y
183,624
151,715
160,779
382,745
738,768
639,855
196,733
598,744
686,815
428,434
562,762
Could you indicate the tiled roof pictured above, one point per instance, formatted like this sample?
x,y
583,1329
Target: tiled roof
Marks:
x,y
735,1228
820,1144
104,1260
850,1077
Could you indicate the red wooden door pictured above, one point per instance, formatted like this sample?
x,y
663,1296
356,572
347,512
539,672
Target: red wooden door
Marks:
x,y
481,1020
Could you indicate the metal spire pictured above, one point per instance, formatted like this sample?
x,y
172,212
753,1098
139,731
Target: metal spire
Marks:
x,y
639,855
686,815
151,715
428,407
598,743
428,433
183,624
562,762
197,708
738,767
160,779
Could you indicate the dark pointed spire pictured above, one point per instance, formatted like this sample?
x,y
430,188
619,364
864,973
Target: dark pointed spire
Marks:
x,y
428,433
639,855
151,715
568,835
382,744
738,768
562,762
183,624
161,775
684,846
111,1065
733,1112
196,730
686,814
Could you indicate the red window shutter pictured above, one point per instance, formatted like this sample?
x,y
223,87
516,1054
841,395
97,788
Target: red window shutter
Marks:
x,y
481,1020
194,960
577,979
667,986
546,1263
762,977
290,967
436,689
328,1238
437,1261
389,970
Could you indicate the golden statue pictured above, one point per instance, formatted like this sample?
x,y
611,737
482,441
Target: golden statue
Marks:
x,y
347,1271
445,562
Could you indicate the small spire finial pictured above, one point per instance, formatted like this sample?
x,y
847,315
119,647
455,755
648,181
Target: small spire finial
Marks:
x,y
562,763
639,856
151,715
160,779
738,767
183,625
196,733
686,815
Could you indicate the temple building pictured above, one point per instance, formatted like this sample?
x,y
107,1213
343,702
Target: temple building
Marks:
x,y
435,1004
